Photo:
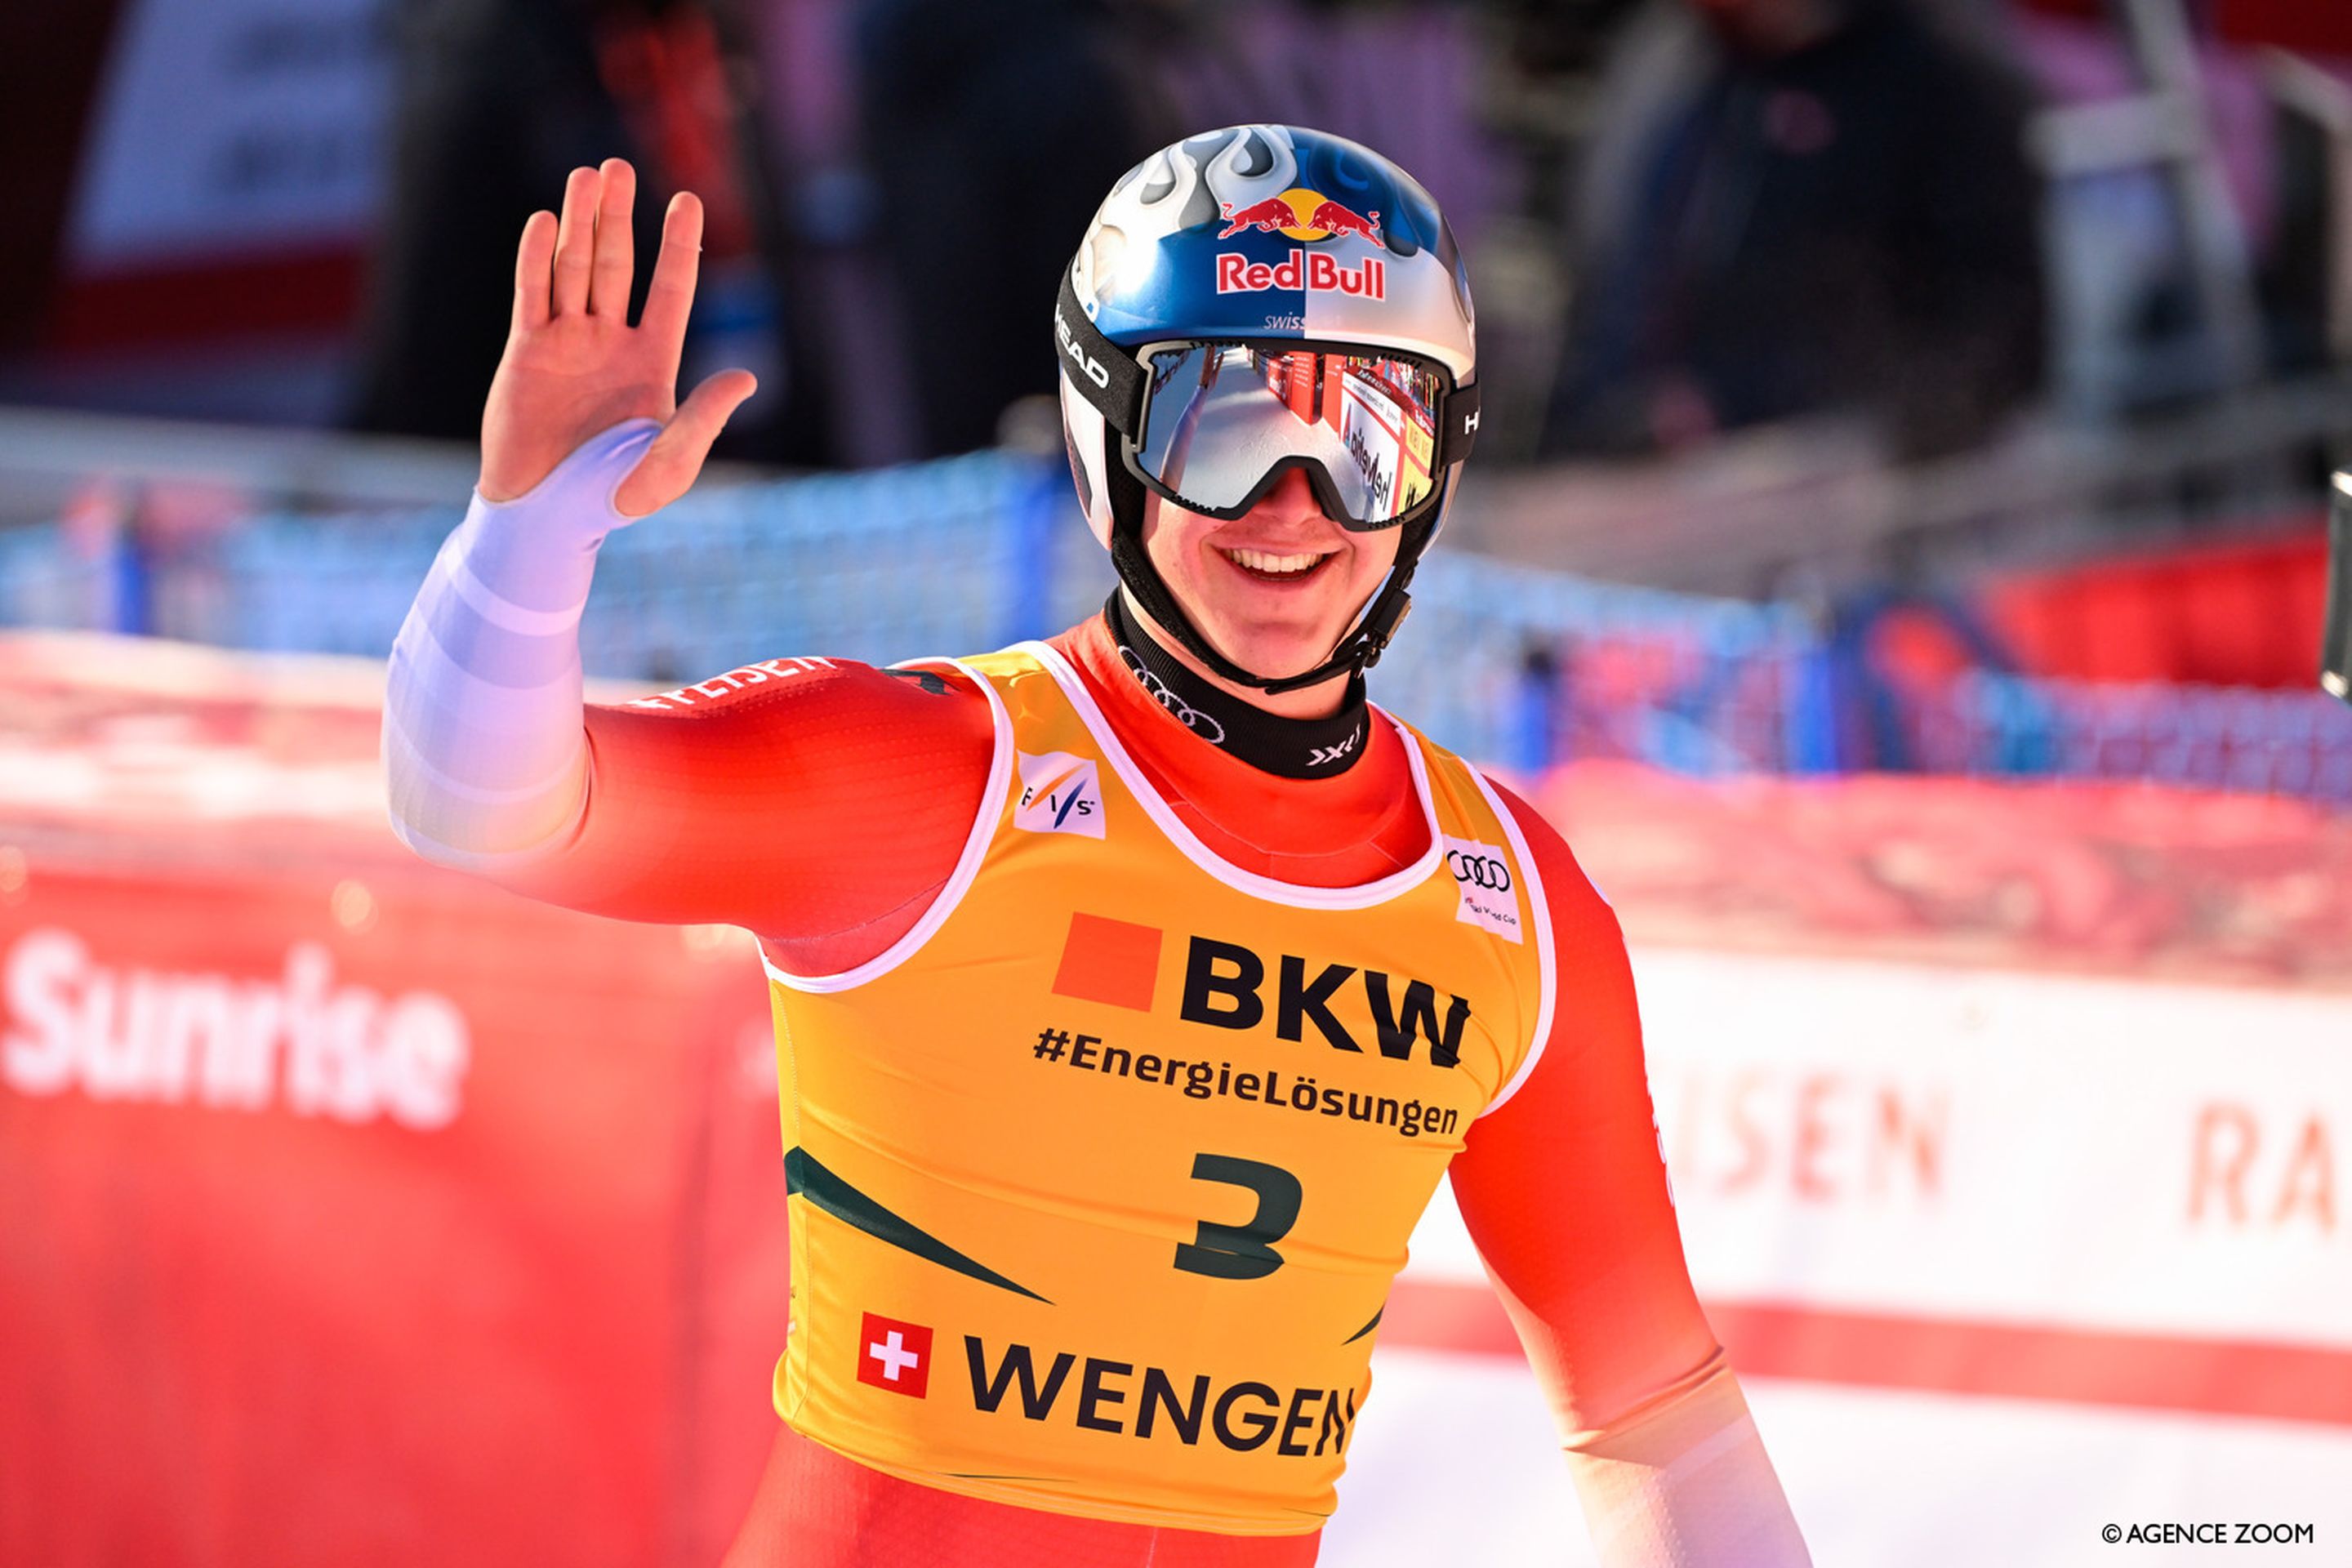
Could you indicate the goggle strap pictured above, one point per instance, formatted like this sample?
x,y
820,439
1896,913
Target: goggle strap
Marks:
x,y
1106,374
1460,413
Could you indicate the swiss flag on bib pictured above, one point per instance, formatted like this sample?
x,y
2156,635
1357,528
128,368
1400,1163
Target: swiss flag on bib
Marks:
x,y
894,1355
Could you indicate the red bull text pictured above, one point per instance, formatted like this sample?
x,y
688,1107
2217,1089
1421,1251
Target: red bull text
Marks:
x,y
1315,271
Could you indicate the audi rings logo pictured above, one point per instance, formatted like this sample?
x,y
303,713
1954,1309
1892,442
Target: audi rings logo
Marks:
x,y
1201,724
1482,879
1487,871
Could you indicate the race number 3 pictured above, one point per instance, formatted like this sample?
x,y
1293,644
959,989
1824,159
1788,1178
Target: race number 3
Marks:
x,y
1242,1251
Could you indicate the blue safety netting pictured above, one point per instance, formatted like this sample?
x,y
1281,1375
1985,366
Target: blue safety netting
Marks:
x,y
1504,662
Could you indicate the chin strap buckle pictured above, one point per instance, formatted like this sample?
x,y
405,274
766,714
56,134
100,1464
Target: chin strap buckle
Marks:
x,y
1373,635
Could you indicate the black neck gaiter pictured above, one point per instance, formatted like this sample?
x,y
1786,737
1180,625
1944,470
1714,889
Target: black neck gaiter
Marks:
x,y
1291,748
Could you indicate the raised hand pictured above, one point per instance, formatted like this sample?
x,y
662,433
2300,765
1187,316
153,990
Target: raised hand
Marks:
x,y
575,366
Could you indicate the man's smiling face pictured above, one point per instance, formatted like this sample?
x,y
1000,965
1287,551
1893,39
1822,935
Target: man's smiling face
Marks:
x,y
1275,589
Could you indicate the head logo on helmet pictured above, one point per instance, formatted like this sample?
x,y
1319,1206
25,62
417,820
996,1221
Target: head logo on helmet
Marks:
x,y
1270,236
1097,372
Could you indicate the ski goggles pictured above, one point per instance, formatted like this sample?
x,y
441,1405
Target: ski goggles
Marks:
x,y
1212,424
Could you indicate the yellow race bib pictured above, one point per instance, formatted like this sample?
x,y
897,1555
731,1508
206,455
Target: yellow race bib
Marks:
x,y
1100,1175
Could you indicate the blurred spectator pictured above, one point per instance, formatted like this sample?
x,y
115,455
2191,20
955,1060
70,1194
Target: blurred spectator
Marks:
x,y
53,57
498,101
1800,205
992,129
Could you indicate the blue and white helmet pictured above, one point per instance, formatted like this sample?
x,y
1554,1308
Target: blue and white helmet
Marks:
x,y
1265,235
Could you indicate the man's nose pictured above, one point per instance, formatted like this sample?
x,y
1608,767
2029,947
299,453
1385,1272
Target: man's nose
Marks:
x,y
1291,499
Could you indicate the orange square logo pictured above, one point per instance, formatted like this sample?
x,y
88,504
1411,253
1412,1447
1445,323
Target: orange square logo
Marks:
x,y
1108,961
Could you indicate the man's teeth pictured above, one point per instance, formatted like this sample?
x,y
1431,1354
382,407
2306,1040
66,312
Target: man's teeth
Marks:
x,y
1259,561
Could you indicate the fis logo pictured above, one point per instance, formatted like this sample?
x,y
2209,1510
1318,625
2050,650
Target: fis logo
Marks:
x,y
1059,793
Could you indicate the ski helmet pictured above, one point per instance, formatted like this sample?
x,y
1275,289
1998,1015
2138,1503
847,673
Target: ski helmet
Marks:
x,y
1284,267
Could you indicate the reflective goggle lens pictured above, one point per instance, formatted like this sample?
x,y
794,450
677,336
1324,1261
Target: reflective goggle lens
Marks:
x,y
1218,417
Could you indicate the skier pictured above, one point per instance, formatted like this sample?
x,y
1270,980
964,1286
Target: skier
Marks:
x,y
1134,988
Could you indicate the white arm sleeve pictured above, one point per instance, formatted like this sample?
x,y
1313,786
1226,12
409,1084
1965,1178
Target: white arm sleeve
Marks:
x,y
485,760
1685,1483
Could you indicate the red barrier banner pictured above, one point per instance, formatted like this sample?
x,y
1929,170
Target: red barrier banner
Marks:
x,y
355,1212
2225,614
2125,879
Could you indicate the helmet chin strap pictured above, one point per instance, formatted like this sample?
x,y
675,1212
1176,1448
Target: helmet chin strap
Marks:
x,y
1359,649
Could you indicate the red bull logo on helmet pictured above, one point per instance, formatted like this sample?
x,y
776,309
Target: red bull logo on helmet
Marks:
x,y
1315,271
1308,217
1301,214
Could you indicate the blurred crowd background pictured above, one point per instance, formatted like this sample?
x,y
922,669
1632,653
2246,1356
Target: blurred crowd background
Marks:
x,y
1688,216
1993,346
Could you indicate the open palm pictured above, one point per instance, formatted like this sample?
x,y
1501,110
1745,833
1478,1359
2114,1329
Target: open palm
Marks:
x,y
575,366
